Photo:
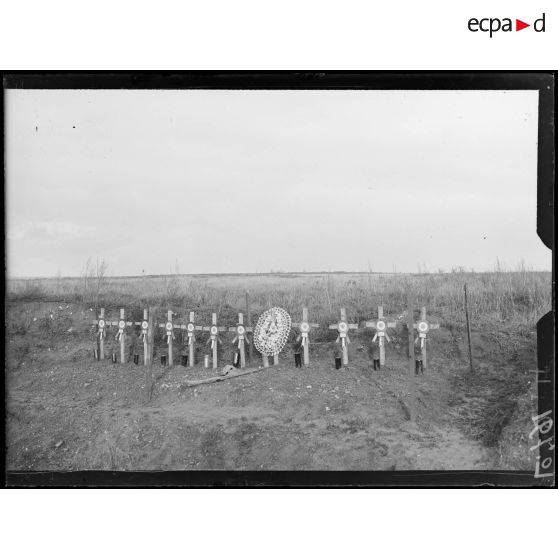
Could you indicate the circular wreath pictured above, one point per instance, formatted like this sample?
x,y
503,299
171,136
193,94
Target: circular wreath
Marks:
x,y
272,331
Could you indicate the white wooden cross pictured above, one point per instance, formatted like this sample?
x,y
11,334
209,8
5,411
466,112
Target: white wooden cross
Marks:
x,y
101,332
381,326
240,329
343,327
304,329
169,333
121,333
423,326
144,324
191,328
214,336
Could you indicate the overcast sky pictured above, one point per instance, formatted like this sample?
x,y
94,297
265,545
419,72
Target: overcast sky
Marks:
x,y
246,181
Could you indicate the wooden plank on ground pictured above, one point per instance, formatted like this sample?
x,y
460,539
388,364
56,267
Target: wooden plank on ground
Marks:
x,y
213,379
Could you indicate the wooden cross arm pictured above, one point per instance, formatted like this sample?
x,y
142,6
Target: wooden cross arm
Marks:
x,y
374,324
232,328
222,328
353,326
333,326
297,325
434,326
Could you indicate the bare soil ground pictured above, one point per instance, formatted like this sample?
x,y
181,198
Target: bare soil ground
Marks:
x,y
66,411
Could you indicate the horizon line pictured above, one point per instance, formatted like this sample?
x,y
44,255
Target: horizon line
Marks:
x,y
268,273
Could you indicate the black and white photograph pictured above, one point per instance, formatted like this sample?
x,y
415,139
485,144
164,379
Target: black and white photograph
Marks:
x,y
237,277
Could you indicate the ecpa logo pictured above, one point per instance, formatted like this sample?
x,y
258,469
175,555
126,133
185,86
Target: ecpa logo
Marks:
x,y
494,24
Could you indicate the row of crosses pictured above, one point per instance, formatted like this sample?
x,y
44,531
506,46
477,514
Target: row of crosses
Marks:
x,y
380,325
169,328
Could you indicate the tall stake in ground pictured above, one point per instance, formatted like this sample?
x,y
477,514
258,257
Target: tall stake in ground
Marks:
x,y
150,335
240,329
149,355
304,329
101,336
468,328
343,328
170,335
410,330
145,342
122,336
249,324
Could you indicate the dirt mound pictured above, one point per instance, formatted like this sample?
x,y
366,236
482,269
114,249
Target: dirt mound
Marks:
x,y
67,411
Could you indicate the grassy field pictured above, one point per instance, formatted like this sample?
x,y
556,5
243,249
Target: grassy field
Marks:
x,y
518,298
115,416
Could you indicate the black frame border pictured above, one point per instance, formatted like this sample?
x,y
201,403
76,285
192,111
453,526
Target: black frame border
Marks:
x,y
471,80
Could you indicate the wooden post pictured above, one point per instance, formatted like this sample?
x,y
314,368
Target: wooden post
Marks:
x,y
306,354
304,328
214,336
381,341
214,342
468,329
344,343
191,328
240,329
169,328
169,337
275,360
265,361
410,329
145,343
122,338
241,343
381,326
249,324
102,337
150,335
191,342
151,328
342,328
423,345
423,327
